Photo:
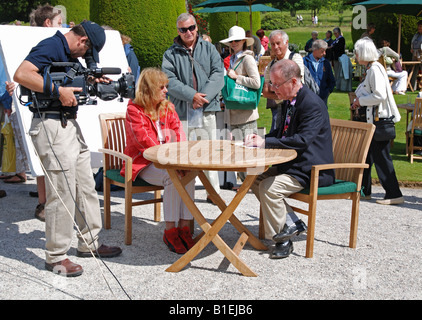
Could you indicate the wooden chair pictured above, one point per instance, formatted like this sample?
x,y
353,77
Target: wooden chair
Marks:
x,y
262,64
415,131
114,141
381,60
351,141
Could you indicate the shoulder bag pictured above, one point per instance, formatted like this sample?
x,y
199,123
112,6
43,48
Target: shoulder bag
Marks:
x,y
237,96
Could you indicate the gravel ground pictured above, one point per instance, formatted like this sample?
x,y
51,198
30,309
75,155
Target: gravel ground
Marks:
x,y
385,264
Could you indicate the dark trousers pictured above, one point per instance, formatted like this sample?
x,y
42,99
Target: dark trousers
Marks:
x,y
379,155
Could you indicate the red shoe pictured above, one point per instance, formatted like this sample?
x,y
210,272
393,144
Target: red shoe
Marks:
x,y
172,240
186,237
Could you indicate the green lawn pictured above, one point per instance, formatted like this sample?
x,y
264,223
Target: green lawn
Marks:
x,y
299,35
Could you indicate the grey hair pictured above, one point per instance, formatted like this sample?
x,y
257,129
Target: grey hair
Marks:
x,y
366,50
319,44
184,17
283,34
287,69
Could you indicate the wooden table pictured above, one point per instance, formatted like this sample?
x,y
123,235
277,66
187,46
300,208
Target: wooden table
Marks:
x,y
410,67
219,155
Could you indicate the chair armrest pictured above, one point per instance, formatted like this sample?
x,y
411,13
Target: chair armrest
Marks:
x,y
116,154
320,167
128,162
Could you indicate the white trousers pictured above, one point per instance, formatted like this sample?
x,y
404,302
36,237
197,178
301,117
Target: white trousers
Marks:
x,y
400,82
173,207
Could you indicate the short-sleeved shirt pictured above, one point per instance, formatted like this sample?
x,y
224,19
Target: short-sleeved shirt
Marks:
x,y
52,49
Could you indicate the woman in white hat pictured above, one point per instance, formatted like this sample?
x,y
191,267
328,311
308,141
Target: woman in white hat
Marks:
x,y
244,70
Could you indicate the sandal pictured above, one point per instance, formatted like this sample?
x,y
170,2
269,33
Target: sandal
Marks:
x,y
6,176
20,179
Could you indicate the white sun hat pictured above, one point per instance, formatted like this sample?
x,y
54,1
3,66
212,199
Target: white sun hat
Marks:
x,y
238,33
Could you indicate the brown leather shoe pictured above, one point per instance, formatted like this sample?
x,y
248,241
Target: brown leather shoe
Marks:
x,y
103,251
65,268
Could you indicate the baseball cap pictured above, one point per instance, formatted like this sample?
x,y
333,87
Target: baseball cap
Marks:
x,y
97,37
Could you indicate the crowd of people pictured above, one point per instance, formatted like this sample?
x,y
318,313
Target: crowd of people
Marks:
x,y
182,98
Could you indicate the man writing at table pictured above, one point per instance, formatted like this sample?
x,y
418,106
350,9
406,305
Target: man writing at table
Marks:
x,y
304,127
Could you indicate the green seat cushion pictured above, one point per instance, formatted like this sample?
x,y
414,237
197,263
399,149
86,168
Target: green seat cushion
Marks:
x,y
338,187
114,174
418,132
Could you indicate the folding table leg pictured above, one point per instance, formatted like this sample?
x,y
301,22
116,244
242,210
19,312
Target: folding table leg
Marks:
x,y
211,232
254,241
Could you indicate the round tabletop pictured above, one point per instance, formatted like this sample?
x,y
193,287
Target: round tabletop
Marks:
x,y
220,155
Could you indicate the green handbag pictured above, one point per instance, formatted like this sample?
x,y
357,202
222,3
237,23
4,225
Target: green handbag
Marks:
x,y
237,96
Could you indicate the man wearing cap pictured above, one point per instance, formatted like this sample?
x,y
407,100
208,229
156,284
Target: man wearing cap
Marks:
x,y
57,138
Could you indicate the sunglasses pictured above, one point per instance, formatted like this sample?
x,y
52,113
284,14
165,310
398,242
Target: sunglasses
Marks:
x,y
235,41
184,30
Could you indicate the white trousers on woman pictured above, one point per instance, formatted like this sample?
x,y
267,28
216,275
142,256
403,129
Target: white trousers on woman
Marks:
x,y
400,82
173,207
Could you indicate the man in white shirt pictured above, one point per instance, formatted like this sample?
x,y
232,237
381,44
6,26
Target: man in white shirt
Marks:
x,y
279,41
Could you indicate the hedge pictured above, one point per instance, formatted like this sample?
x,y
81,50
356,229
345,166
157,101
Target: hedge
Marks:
x,y
76,10
221,22
150,24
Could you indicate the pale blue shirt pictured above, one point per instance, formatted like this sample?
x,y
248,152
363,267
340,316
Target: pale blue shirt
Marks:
x,y
234,59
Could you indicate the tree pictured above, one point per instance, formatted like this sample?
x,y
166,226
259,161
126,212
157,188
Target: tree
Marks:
x,y
11,10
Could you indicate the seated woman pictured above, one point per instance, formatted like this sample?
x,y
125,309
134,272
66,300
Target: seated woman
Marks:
x,y
393,70
152,120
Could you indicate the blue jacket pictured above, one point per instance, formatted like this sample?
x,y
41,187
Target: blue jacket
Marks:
x,y
324,77
309,133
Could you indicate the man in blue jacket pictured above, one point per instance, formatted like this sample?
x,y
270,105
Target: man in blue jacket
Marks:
x,y
320,69
305,127
196,77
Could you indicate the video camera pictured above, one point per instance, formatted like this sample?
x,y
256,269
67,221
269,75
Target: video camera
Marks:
x,y
77,76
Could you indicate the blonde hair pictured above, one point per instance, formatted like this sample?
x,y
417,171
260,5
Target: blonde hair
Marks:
x,y
148,93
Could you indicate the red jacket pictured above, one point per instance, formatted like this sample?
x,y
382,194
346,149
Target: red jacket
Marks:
x,y
141,133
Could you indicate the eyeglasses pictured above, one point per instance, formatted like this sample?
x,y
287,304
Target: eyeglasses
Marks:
x,y
235,41
276,86
184,30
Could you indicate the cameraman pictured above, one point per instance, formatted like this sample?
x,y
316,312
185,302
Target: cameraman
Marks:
x,y
62,150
